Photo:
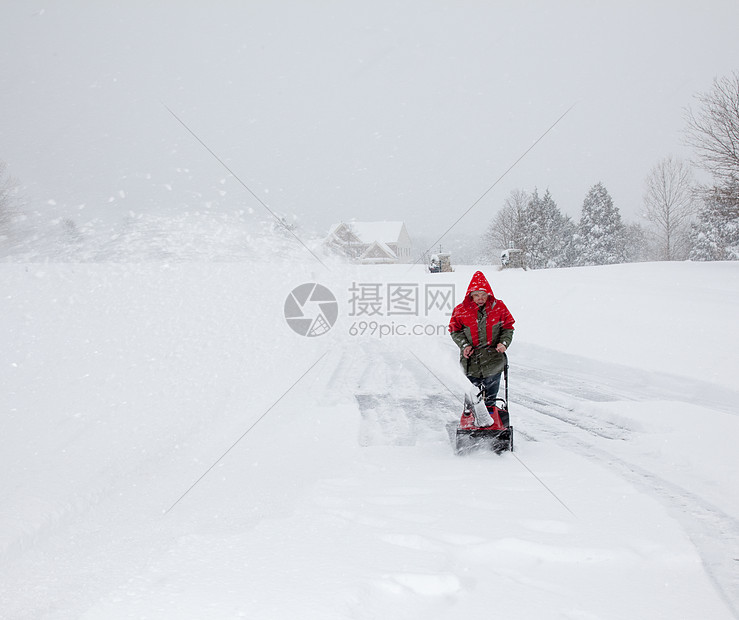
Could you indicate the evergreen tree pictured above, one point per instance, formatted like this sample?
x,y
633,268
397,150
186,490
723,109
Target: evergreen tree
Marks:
x,y
715,235
601,238
547,234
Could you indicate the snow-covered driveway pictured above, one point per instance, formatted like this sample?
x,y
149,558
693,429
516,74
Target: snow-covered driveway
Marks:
x,y
345,500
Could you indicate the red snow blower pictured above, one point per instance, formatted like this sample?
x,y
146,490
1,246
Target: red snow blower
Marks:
x,y
484,427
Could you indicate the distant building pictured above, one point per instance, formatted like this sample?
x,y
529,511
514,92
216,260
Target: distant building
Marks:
x,y
371,242
440,263
512,258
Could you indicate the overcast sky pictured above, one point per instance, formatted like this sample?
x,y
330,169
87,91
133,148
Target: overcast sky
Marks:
x,y
336,110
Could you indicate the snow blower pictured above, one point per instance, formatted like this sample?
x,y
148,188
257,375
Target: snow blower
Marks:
x,y
484,426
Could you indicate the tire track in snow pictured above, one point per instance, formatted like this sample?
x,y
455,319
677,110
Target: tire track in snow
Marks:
x,y
713,532
568,415
596,381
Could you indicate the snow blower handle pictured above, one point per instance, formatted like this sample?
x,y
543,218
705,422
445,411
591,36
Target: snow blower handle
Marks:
x,y
474,349
505,377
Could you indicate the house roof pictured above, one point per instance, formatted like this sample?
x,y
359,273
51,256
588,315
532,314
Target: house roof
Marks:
x,y
378,250
367,232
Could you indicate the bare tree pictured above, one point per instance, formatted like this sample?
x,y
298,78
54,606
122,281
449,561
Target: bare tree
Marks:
x,y
670,207
505,231
714,130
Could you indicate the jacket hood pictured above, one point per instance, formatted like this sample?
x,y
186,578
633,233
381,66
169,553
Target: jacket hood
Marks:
x,y
479,283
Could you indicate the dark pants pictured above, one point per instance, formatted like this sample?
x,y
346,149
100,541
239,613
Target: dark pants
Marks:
x,y
491,385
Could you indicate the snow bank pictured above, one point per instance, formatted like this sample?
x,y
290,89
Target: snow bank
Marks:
x,y
668,317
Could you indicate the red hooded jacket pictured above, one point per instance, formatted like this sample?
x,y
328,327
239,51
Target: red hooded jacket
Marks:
x,y
467,323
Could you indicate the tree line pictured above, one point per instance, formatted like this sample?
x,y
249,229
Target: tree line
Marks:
x,y
683,220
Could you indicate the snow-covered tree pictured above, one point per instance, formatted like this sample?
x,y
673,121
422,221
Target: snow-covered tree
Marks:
x,y
547,234
715,234
600,236
7,206
714,132
670,206
638,246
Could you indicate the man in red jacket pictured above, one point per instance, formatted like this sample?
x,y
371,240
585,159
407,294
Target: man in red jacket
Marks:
x,y
482,328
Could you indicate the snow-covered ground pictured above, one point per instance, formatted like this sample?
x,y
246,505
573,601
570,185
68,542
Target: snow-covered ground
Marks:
x,y
124,385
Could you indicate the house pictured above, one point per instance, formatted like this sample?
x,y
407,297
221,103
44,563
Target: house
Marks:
x,y
371,242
